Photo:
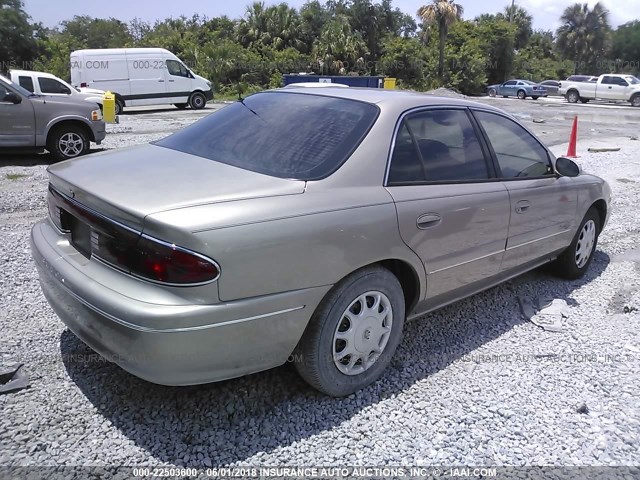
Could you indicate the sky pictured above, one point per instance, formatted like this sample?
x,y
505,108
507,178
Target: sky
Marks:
x,y
545,12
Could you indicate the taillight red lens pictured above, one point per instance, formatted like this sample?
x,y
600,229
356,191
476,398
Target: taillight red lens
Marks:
x,y
83,85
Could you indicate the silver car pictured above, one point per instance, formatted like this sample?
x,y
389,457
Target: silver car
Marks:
x,y
304,225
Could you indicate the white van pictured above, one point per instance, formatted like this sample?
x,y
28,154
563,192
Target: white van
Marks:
x,y
140,76
42,83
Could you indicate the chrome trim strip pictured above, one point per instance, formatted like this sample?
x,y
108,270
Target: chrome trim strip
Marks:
x,y
464,263
538,240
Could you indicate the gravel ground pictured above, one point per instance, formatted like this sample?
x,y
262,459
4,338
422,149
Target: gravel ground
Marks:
x,y
473,384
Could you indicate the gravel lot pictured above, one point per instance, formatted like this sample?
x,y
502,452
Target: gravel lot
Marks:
x,y
473,384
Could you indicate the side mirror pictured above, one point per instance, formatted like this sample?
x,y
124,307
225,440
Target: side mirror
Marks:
x,y
11,97
567,167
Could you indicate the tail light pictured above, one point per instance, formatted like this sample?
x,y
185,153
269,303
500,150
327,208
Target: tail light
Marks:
x,y
128,250
559,84
83,85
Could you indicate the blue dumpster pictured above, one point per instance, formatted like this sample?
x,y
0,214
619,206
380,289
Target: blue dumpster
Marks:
x,y
367,82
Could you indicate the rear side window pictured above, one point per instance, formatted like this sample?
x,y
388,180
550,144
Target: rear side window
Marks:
x,y
26,83
437,146
286,135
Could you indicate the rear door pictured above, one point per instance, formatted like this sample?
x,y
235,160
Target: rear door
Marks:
x,y
449,211
51,86
543,205
17,121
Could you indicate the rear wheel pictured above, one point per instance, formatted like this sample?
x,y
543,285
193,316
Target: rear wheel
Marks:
x,y
522,94
353,333
575,260
197,101
67,142
572,96
119,107
492,92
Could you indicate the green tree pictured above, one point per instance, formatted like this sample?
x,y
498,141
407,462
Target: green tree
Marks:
x,y
584,36
442,13
339,49
97,32
496,37
523,21
17,43
408,60
626,47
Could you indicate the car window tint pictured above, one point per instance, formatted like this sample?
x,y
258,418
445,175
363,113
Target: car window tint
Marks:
x,y
26,82
518,153
606,80
447,144
405,162
49,85
176,68
510,83
286,135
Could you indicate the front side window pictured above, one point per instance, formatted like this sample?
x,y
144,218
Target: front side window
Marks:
x,y
518,153
50,85
26,83
286,135
177,69
510,83
437,146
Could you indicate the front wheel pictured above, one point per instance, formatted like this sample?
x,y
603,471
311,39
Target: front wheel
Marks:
x,y
197,101
635,101
353,333
575,260
67,142
522,94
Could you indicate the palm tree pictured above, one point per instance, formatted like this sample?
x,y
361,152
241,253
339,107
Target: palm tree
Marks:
x,y
339,49
442,13
584,34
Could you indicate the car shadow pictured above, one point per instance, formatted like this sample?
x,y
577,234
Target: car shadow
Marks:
x,y
234,420
34,159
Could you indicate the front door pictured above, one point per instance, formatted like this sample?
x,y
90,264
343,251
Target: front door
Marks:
x,y
179,81
17,121
449,213
543,205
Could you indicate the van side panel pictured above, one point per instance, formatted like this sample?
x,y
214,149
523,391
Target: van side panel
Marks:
x,y
102,69
147,71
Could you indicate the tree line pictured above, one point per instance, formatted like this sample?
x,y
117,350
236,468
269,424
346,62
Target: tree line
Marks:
x,y
434,48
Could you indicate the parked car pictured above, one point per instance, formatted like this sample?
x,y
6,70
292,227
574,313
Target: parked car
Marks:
x,y
140,76
30,122
552,86
304,224
42,83
518,88
610,87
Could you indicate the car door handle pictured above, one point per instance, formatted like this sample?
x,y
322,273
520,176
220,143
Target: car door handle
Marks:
x,y
522,206
428,220
171,80
161,81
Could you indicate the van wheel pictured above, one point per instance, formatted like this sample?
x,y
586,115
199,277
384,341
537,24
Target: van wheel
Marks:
x,y
119,107
181,106
67,142
197,101
575,260
353,333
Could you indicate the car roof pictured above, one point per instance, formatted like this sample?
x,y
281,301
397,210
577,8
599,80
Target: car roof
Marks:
x,y
32,72
383,97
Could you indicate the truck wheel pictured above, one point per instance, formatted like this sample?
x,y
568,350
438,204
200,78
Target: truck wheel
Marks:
x,y
573,96
635,100
119,107
353,333
522,94
197,101
67,141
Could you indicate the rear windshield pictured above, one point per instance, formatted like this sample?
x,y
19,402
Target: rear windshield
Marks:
x,y
286,135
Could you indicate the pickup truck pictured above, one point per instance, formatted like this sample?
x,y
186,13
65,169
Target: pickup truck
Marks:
x,y
62,125
42,83
611,87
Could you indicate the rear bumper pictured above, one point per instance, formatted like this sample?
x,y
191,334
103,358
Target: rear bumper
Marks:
x,y
171,344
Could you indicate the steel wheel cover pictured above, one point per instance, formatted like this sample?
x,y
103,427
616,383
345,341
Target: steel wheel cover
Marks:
x,y
362,333
586,241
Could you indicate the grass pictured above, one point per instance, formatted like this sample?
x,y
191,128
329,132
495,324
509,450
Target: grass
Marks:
x,y
15,176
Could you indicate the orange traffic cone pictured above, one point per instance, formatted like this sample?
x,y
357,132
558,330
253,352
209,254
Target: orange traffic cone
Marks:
x,y
571,151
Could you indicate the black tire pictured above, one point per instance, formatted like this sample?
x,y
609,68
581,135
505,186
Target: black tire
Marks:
x,y
492,92
573,96
535,98
584,100
522,94
119,107
314,354
635,100
566,265
68,141
181,106
197,101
